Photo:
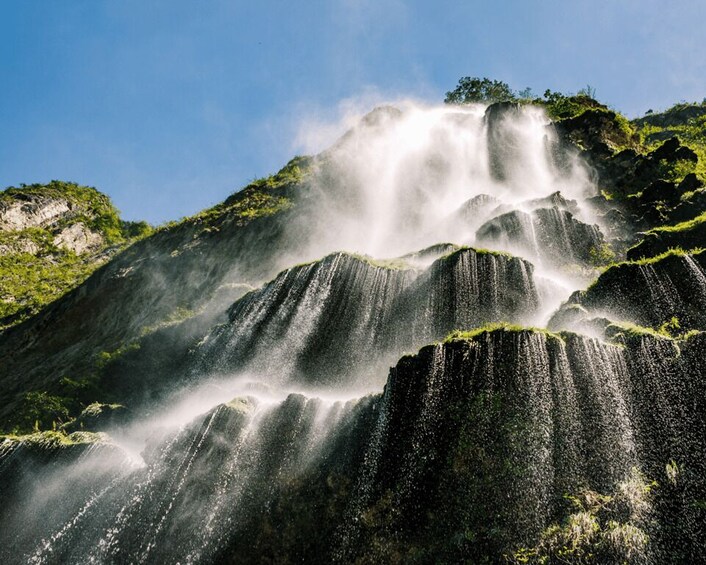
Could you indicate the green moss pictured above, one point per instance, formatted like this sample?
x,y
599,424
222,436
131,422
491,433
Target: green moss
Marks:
x,y
396,264
55,439
106,357
176,317
477,251
96,408
615,267
628,331
466,335
676,251
682,226
261,198
600,256
688,122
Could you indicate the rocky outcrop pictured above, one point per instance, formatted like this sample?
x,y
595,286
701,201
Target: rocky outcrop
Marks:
x,y
687,236
547,234
595,130
651,292
327,321
678,115
32,211
53,236
78,239
20,245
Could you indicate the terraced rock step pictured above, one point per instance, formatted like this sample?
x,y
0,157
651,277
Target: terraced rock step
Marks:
x,y
651,292
324,321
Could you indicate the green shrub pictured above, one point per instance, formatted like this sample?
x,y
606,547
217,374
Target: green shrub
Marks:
x,y
41,411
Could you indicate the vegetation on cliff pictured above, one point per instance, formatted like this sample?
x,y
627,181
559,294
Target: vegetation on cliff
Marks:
x,y
52,237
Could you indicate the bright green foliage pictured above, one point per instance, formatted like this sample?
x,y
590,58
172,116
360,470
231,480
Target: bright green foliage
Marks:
x,y
627,330
686,121
560,106
675,251
29,282
106,357
94,208
262,197
603,255
55,438
601,528
32,279
40,410
682,226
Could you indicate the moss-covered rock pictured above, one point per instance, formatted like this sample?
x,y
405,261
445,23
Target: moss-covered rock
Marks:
x,y
689,235
651,292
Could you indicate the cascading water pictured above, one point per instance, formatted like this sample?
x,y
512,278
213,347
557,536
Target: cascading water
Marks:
x,y
471,446
404,180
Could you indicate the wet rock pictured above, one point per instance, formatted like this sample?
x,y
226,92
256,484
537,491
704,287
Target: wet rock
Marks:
x,y
548,233
660,191
554,200
476,207
655,242
651,293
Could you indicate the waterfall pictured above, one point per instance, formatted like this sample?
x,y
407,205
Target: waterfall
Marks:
x,y
417,176
546,235
199,487
651,293
464,290
293,328
300,429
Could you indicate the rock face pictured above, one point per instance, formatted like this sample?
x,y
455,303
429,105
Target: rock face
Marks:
x,y
79,239
688,236
323,320
468,454
548,234
34,211
651,293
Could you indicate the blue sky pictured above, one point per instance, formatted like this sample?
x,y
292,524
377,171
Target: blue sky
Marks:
x,y
169,106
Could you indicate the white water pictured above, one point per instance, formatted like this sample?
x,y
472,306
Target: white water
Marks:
x,y
394,185
397,183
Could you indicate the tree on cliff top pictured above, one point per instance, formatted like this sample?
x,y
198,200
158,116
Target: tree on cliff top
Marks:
x,y
474,89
